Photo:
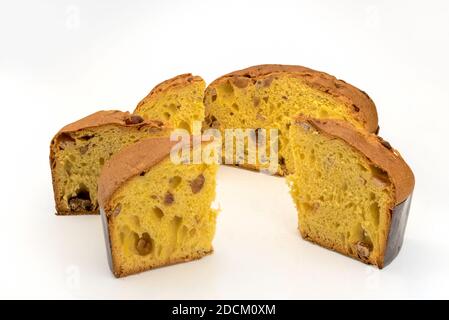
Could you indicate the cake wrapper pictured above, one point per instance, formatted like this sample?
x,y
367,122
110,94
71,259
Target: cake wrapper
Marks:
x,y
104,220
395,240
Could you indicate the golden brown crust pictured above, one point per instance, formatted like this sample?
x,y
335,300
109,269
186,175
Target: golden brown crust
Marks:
x,y
341,250
97,119
180,81
130,162
357,101
374,148
118,273
101,118
107,117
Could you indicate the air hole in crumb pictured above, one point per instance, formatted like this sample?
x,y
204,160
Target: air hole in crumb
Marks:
x,y
177,221
158,212
174,182
184,125
173,108
374,212
182,233
281,161
213,94
363,168
166,115
227,88
324,114
86,137
68,167
380,177
65,140
135,221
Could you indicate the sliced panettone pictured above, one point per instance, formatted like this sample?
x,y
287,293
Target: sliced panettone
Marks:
x,y
351,188
155,212
267,96
177,101
79,150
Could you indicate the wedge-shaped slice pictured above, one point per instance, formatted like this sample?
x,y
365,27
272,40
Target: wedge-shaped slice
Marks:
x,y
267,96
79,151
177,101
155,212
351,188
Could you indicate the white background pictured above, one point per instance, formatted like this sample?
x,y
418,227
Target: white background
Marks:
x,y
61,60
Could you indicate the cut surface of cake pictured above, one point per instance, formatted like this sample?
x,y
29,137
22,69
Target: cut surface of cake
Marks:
x,y
268,96
351,188
156,212
177,101
79,151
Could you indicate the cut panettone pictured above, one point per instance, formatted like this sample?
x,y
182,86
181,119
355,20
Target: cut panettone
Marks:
x,y
267,96
351,188
155,212
79,151
177,101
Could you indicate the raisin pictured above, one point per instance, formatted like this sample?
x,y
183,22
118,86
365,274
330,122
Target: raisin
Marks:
x,y
81,202
117,210
363,250
169,198
144,244
197,184
134,119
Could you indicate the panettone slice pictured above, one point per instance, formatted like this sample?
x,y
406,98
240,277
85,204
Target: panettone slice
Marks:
x,y
351,188
156,212
79,151
177,101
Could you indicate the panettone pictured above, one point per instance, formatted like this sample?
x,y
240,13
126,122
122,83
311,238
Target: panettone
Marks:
x,y
79,151
351,188
155,212
268,96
